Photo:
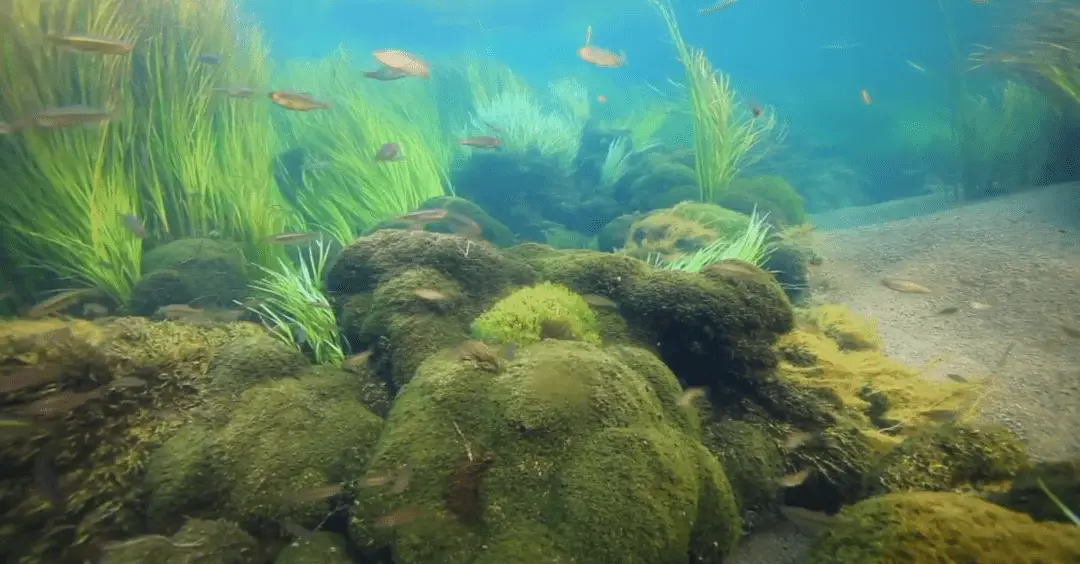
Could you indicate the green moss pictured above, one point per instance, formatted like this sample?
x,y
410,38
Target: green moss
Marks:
x,y
932,527
321,548
563,423
753,463
205,542
590,272
245,362
770,195
947,457
522,316
1060,477
198,272
183,478
839,459
684,228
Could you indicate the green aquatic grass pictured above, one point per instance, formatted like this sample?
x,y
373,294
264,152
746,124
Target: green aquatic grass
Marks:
x,y
526,127
294,307
752,246
1057,501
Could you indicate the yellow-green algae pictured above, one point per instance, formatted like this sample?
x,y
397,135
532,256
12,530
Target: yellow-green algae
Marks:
x,y
521,317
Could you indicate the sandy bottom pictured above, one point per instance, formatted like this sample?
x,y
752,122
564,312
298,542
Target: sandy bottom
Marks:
x,y
1011,267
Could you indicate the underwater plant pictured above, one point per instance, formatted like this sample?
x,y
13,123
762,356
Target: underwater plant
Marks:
x,y
727,137
753,247
1060,504
525,126
616,162
293,306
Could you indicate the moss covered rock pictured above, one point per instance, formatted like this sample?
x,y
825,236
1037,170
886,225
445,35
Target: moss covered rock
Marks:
x,y
931,527
206,542
281,437
656,181
245,362
613,235
1061,477
683,229
547,456
771,196
948,457
537,312
753,463
196,272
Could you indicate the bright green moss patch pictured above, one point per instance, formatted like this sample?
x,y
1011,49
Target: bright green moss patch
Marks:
x,y
530,314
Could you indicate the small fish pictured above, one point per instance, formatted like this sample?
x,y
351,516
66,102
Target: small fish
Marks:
x,y
242,92
948,310
356,362
722,5
385,73
322,305
979,305
940,415
127,382
31,376
177,311
92,43
956,378
689,396
135,225
915,66
602,302
61,403
481,142
797,439
299,334
48,480
209,58
251,302
1070,331
755,109
600,57
794,480
70,116
423,216
297,101
811,521
292,238
319,493
601,98
429,294
403,61
865,96
904,286
58,303
389,152
402,516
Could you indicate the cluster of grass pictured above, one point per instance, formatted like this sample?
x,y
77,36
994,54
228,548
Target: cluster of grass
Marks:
x,y
524,126
753,246
727,136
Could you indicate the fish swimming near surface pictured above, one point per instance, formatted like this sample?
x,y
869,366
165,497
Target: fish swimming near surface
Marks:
x,y
386,73
481,142
91,43
403,61
297,101
599,56
389,152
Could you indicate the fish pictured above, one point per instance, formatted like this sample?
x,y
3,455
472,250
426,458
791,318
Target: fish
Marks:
x,y
956,378
599,301
948,310
209,58
689,396
403,61
292,238
481,142
429,294
423,216
601,57
722,5
979,305
811,521
904,286
135,225
319,304
356,362
177,311
31,376
47,478
127,382
69,116
61,403
940,415
399,480
243,92
91,43
58,303
389,152
297,101
915,66
601,98
398,517
318,493
794,480
865,96
385,73
797,439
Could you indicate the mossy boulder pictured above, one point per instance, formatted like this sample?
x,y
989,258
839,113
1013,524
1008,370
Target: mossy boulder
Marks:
x,y
104,444
283,436
545,458
203,541
245,362
197,272
771,196
613,235
533,313
1061,477
321,548
949,457
753,463
682,229
933,527
656,181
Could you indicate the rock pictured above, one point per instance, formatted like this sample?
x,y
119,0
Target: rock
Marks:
x,y
196,272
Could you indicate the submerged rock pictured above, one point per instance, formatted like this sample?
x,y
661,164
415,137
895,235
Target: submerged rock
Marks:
x,y
196,272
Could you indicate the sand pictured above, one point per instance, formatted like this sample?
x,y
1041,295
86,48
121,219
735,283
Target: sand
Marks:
x,y
1011,267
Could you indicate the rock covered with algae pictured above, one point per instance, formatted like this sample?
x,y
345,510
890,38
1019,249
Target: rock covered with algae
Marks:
x,y
193,271
567,452
932,527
